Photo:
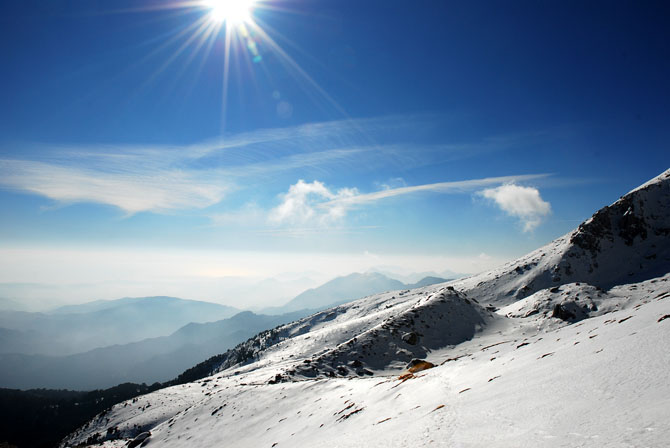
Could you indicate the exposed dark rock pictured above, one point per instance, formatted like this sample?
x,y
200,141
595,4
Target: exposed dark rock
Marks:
x,y
563,313
531,312
572,310
410,338
631,225
590,233
139,439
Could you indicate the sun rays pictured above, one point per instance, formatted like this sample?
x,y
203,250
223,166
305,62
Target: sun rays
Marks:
x,y
232,32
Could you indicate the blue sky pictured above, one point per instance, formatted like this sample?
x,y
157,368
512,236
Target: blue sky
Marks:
x,y
425,135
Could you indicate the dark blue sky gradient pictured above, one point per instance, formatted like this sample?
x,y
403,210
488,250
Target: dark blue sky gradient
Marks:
x,y
438,91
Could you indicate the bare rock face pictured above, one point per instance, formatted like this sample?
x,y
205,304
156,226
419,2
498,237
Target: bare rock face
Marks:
x,y
640,214
627,238
631,219
590,234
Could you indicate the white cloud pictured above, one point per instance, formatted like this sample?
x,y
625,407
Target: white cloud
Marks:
x,y
307,202
163,178
133,189
394,182
439,187
160,178
524,203
314,203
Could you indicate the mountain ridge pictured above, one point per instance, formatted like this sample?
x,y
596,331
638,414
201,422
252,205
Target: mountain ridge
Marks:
x,y
350,287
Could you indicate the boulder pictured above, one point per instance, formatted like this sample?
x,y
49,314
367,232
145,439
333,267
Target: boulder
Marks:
x,y
417,365
410,338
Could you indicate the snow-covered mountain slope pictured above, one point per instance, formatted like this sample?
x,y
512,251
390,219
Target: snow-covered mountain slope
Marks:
x,y
573,357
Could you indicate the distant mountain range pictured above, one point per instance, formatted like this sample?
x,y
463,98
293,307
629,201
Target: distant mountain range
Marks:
x,y
107,342
10,305
79,328
348,288
147,361
414,277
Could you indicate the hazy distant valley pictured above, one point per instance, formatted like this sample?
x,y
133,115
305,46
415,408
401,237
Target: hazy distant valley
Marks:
x,y
145,340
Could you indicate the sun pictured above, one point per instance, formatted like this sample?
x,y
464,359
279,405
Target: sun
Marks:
x,y
230,11
234,32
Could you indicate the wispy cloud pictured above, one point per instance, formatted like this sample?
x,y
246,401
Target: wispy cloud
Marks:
x,y
317,161
131,190
520,202
316,204
160,178
462,186
163,178
393,182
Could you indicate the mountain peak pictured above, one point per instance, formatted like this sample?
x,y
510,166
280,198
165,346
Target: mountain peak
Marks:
x,y
627,240
632,233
